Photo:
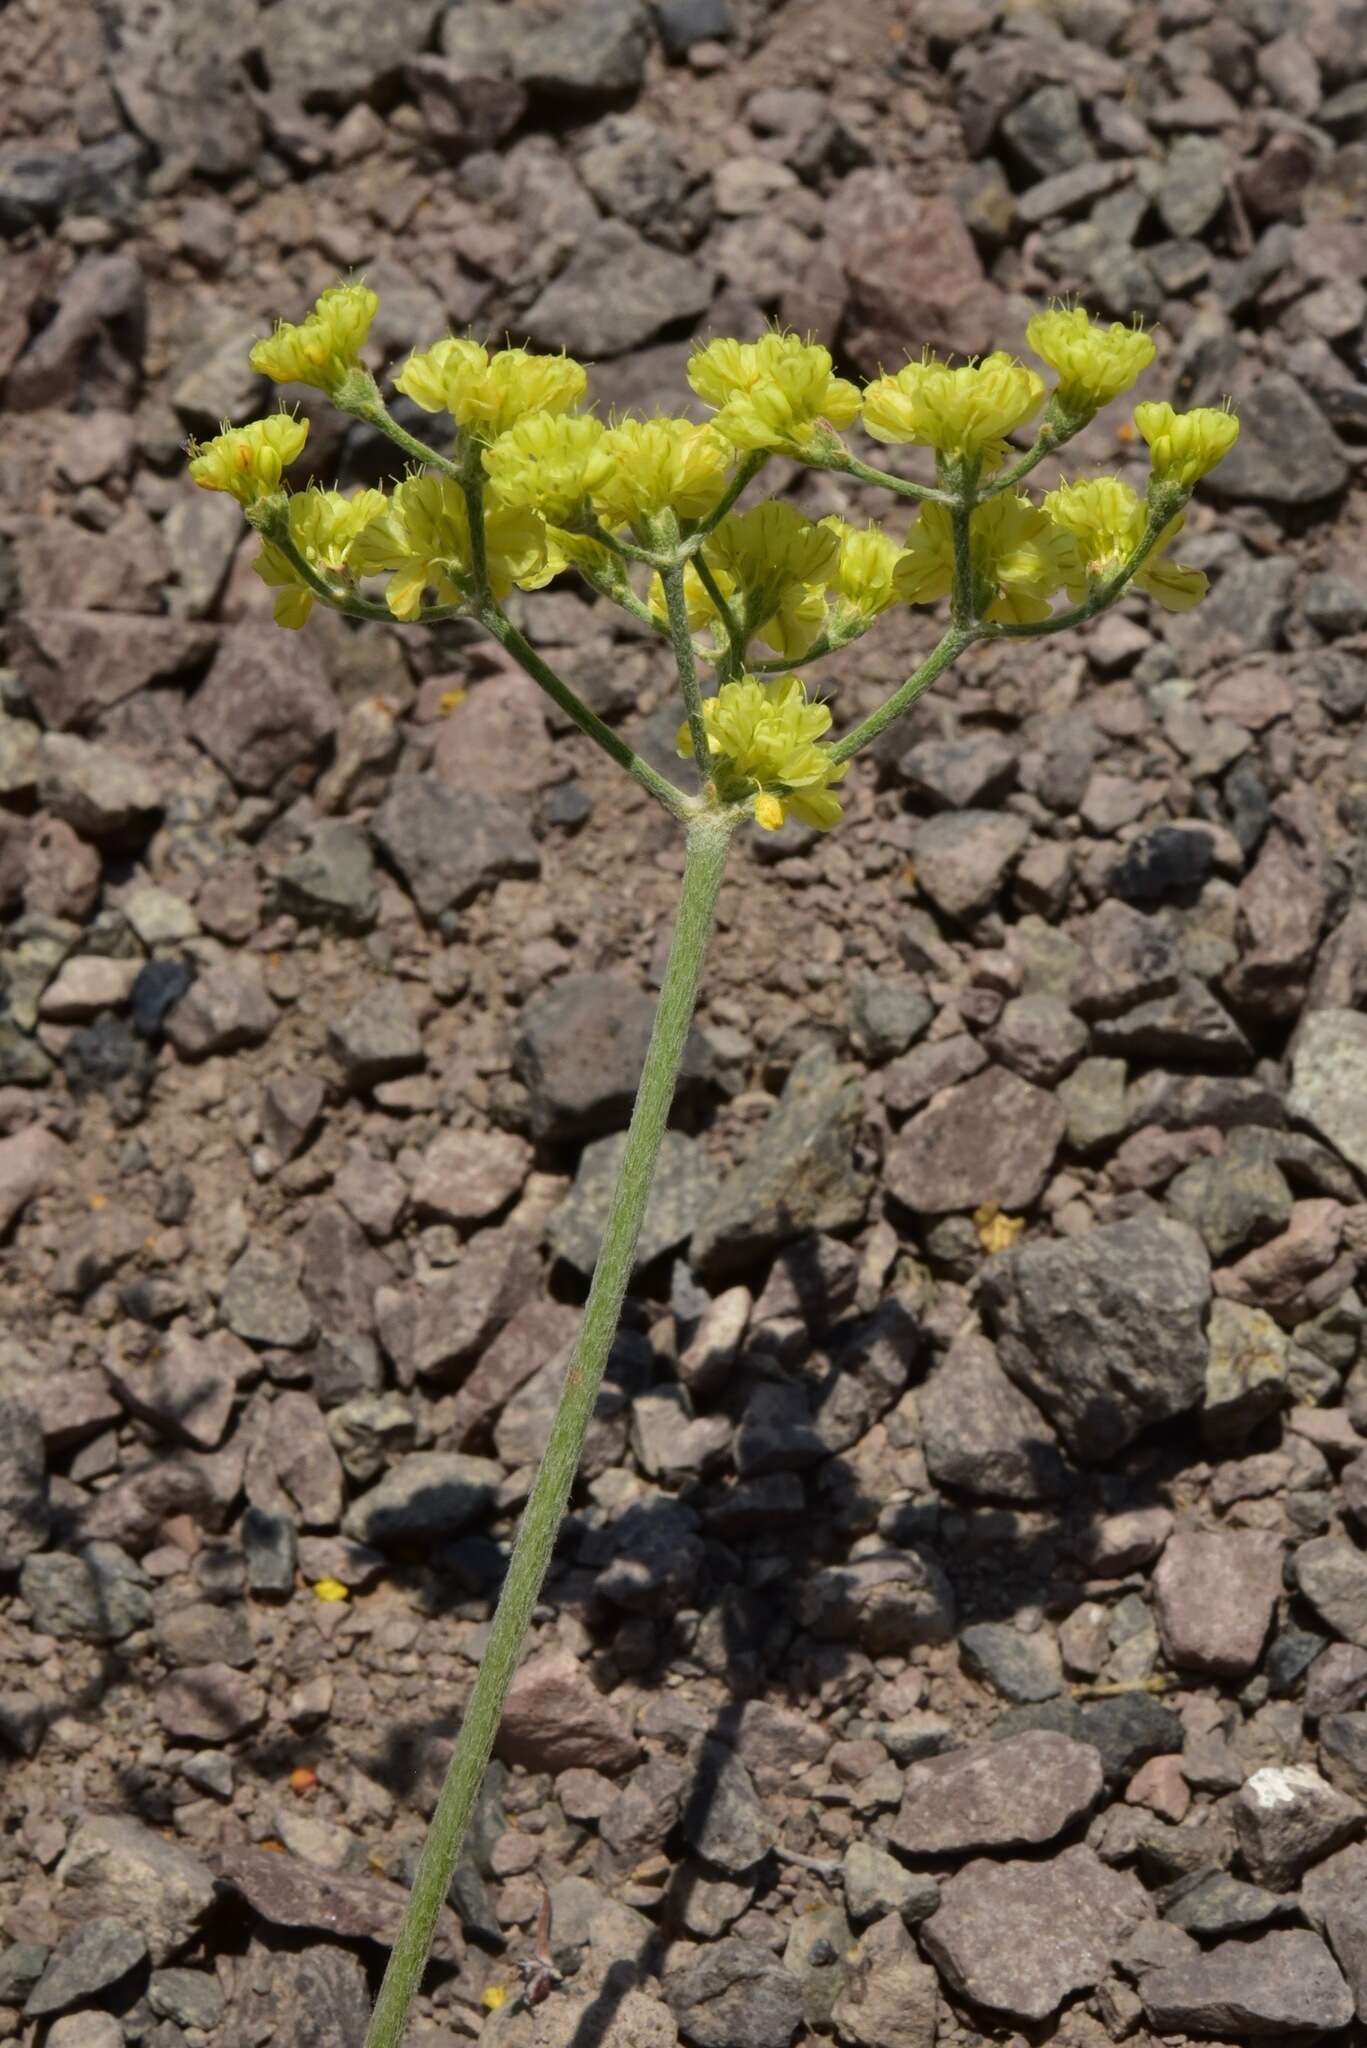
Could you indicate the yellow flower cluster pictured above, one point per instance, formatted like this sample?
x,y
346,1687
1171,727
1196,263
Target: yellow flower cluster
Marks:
x,y
551,463
321,349
1094,364
248,461
486,394
772,394
963,414
1106,521
424,539
324,526
1185,446
661,465
1019,559
764,739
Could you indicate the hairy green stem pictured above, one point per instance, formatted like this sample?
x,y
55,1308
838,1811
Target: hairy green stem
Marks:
x,y
686,661
705,864
936,662
734,664
884,478
525,655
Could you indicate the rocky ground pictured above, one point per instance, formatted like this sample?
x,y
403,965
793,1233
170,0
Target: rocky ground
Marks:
x,y
961,1628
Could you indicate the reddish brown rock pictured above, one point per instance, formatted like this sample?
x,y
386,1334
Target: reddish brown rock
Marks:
x,y
1215,1595
556,1717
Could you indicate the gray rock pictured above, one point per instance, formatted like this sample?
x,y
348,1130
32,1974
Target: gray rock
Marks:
x,y
85,2030
1021,1937
1221,1904
1286,453
890,1998
887,1012
99,1595
1022,1791
191,1998
926,1069
450,845
579,1049
1039,1038
961,774
815,1953
1285,1817
1236,1200
131,1873
326,63
265,707
876,1884
287,1892
1129,959
262,1301
683,1191
1279,1984
776,1432
682,23
633,170
1020,1667
1094,1100
962,857
1104,1331
224,1009
1246,1372
723,1817
888,1601
991,1139
319,1997
1332,1574
1329,1081
378,1038
735,1994
1127,1729
209,1703
1188,1025
1215,1595
656,288
802,1175
1334,1901
91,1960
426,1496
96,790
187,1389
203,1632
1343,1752
1336,1681
23,1482
979,1432
332,881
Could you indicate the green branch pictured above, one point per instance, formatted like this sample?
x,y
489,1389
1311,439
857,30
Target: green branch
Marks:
x,y
685,660
948,650
730,624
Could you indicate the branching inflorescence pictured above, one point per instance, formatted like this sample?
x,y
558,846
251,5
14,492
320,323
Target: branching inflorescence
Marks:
x,y
529,485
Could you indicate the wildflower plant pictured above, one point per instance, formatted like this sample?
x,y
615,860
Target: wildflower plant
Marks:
x,y
523,481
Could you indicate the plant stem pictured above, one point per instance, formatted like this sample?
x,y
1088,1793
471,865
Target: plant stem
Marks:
x,y
936,662
659,786
705,863
686,661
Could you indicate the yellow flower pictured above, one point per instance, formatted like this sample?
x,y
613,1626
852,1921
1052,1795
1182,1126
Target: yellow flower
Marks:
x,y
329,1590
660,465
863,575
247,461
1106,522
323,526
779,563
321,349
1094,364
489,393
424,538
773,392
764,739
1184,446
962,414
1019,558
549,463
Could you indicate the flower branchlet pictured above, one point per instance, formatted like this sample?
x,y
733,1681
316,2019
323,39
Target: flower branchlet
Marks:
x,y
532,484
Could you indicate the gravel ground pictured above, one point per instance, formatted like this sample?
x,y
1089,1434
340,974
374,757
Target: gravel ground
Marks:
x,y
960,1631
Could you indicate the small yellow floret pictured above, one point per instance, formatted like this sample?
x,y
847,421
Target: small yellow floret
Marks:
x,y
772,393
997,1231
661,465
321,349
1094,364
324,525
549,463
424,538
248,461
1019,559
493,1997
1185,446
962,414
1106,521
863,575
330,1590
487,392
764,739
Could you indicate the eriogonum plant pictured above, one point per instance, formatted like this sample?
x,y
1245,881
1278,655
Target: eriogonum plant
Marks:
x,y
524,483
